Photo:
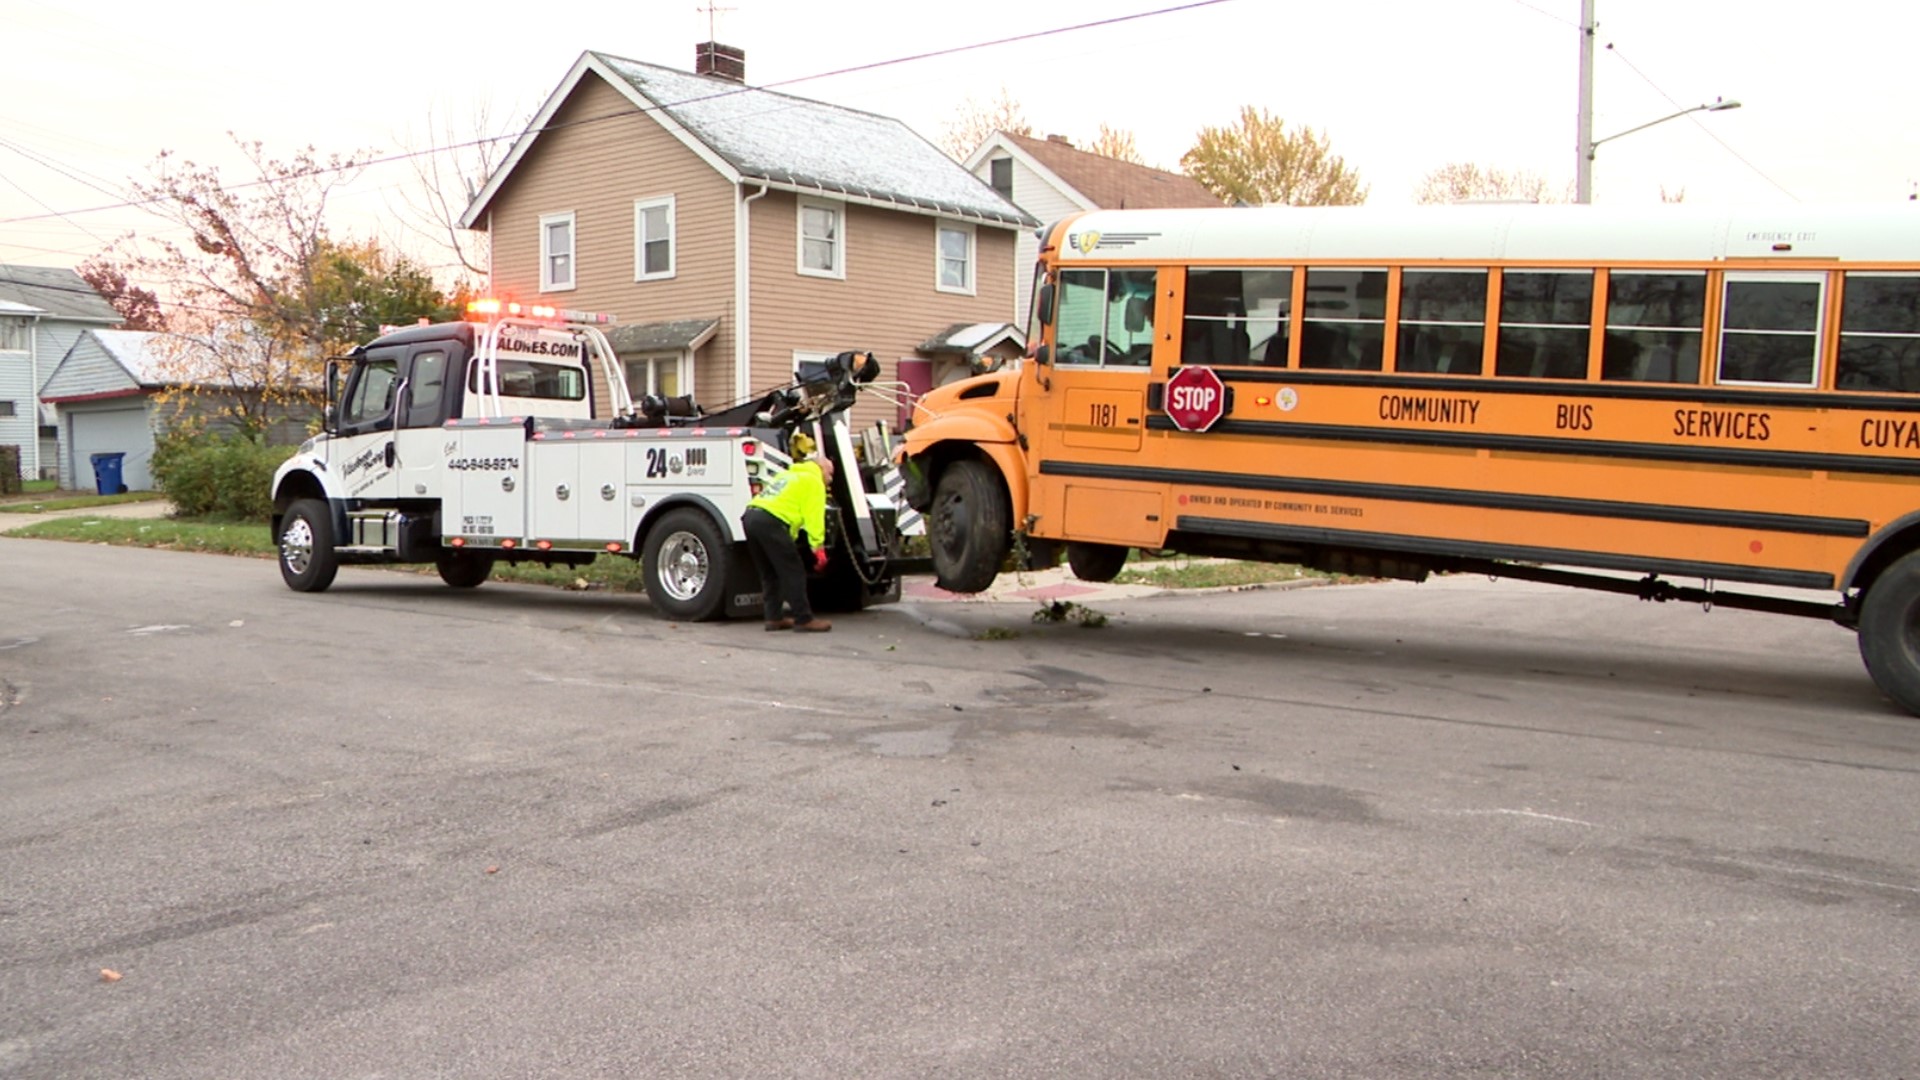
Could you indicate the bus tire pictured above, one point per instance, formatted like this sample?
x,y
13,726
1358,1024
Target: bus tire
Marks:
x,y
1890,632
464,569
684,562
968,530
1096,562
307,559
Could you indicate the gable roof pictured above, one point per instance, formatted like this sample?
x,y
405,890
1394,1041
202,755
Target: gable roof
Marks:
x,y
55,291
789,143
1103,183
136,351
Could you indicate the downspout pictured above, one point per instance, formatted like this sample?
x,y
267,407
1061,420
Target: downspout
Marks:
x,y
33,375
742,295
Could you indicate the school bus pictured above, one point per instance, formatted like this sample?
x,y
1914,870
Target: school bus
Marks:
x,y
1554,393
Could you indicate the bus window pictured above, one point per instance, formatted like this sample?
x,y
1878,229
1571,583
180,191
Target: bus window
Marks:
x,y
1237,317
1770,329
1344,320
1443,321
1546,324
1655,324
1880,333
1080,317
1105,318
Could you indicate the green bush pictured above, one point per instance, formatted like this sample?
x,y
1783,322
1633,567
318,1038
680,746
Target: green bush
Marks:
x,y
212,475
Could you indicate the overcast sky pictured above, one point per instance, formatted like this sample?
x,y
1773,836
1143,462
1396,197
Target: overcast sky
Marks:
x,y
94,90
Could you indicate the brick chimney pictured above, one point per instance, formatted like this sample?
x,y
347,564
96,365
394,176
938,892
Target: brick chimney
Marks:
x,y
720,61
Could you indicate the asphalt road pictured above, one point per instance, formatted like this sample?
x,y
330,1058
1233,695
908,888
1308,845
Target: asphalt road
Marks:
x,y
1457,829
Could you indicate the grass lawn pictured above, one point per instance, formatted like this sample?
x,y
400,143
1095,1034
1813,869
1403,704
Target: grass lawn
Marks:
x,y
610,572
35,503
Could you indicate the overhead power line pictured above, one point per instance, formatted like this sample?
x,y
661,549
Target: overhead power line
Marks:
x,y
639,110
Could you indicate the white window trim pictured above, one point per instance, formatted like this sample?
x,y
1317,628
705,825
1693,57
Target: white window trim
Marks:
x,y
939,257
682,361
546,256
640,207
839,272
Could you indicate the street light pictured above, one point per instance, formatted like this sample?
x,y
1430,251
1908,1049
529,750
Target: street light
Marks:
x,y
1583,184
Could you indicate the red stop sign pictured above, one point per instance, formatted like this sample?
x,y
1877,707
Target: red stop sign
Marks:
x,y
1195,398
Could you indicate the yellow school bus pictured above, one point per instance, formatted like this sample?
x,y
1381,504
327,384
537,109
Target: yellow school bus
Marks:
x,y
1556,393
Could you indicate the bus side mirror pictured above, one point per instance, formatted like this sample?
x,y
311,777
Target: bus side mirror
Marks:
x,y
1045,305
1136,313
1043,354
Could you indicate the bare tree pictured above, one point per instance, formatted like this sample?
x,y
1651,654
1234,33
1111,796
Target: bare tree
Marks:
x,y
973,122
447,175
1467,182
1261,161
1116,143
256,290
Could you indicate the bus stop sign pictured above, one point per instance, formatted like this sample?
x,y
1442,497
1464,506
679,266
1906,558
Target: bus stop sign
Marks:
x,y
1195,398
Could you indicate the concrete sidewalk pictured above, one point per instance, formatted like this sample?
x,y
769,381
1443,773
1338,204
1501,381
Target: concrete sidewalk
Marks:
x,y
152,508
1030,587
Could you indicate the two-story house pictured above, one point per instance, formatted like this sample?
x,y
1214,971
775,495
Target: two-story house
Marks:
x,y
1049,178
43,311
734,231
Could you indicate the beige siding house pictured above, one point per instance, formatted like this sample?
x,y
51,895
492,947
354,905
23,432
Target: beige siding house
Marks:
x,y
1050,178
732,231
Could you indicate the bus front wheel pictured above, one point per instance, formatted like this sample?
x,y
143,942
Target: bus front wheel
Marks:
x,y
1890,632
1096,562
968,527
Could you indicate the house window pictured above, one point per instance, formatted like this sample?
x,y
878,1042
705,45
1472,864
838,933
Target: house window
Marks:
x,y
653,239
654,375
955,255
1001,172
14,336
8,408
556,252
823,239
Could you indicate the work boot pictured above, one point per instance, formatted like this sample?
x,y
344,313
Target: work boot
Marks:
x,y
813,626
779,624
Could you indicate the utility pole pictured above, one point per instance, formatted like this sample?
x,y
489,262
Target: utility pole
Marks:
x,y
1583,124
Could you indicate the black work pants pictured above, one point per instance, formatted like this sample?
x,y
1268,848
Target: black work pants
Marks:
x,y
782,577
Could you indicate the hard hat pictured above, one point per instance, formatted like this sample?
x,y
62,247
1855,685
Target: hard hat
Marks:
x,y
800,445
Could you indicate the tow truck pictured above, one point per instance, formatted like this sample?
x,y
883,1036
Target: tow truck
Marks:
x,y
468,444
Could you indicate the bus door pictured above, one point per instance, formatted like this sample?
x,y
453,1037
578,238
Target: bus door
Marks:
x,y
1094,411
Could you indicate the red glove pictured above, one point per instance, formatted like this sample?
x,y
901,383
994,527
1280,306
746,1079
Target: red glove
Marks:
x,y
820,561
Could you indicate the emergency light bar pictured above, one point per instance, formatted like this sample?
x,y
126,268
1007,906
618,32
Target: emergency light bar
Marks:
x,y
493,309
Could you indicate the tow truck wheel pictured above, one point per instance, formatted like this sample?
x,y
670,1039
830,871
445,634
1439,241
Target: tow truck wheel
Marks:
x,y
1890,632
1096,562
307,561
685,565
967,527
464,569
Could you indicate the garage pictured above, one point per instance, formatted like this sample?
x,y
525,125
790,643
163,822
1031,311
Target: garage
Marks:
x,y
108,427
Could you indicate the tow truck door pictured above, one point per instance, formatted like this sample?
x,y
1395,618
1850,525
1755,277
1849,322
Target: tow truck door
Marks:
x,y
366,458
420,443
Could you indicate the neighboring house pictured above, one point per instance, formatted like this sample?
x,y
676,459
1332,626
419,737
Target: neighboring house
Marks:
x,y
1050,179
733,232
43,310
107,397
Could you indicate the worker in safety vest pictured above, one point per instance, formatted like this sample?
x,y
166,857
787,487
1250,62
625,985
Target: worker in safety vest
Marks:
x,y
795,502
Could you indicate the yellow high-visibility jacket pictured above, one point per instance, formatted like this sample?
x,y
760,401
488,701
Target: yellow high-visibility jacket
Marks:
x,y
798,497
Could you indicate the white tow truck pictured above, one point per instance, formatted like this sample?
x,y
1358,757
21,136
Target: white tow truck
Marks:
x,y
467,444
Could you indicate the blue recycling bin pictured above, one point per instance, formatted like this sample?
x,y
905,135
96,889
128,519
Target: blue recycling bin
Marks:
x,y
106,473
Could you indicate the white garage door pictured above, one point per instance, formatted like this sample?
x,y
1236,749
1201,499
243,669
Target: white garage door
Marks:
x,y
113,431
